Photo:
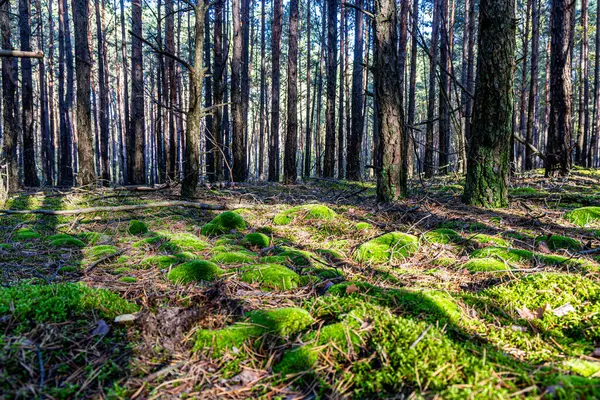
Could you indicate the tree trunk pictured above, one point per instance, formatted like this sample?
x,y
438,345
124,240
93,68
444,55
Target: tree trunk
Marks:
x,y
125,143
584,114
209,141
329,161
218,93
138,127
341,131
291,142
245,84
171,89
262,114
275,91
83,66
103,92
593,147
65,162
308,139
410,122
358,119
444,98
489,148
523,90
9,93
533,86
47,145
30,177
191,167
391,175
237,108
433,59
558,158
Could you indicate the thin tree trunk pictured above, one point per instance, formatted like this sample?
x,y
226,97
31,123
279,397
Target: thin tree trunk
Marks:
x,y
358,118
584,114
290,172
593,147
245,84
47,145
237,106
170,89
533,86
433,49
523,90
137,129
329,161
103,92
308,138
341,131
410,132
218,92
275,91
444,97
125,143
262,115
208,102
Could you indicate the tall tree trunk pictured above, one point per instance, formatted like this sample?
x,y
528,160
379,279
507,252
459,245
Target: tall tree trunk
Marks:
x,y
329,161
47,145
262,116
9,93
51,106
533,85
218,92
489,148
391,175
523,90
275,82
318,166
410,121
103,93
358,118
433,60
191,167
308,139
558,158
245,82
341,131
137,128
444,98
584,114
593,147
290,171
470,81
65,162
83,67
237,107
170,90
208,102
125,143
30,177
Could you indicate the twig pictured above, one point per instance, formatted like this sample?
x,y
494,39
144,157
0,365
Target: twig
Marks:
x,y
100,261
201,206
421,336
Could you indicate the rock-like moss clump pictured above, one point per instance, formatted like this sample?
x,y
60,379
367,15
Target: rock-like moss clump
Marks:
x,y
442,236
482,238
128,279
305,213
299,258
485,265
257,239
179,242
137,227
271,276
23,234
64,240
584,216
363,226
97,252
525,256
160,261
223,223
234,257
195,271
282,321
391,246
557,242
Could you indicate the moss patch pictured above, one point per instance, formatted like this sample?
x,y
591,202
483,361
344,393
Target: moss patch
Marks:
x,y
394,245
282,321
442,236
195,271
482,238
583,216
485,265
23,234
257,239
271,276
305,213
97,252
64,240
159,261
556,242
137,227
179,242
223,223
363,226
235,257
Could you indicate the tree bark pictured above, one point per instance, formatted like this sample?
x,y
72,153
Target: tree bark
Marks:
x,y
558,158
391,174
237,107
103,93
308,139
83,66
444,97
358,119
433,60
47,144
489,148
137,129
593,147
340,127
533,86
218,92
275,91
584,114
290,172
410,122
329,161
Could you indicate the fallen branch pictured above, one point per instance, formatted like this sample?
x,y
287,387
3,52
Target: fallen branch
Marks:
x,y
531,147
103,259
201,206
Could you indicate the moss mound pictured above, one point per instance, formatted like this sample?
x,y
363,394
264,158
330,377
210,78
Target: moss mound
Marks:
x,y
525,256
485,265
223,223
442,236
305,213
64,240
257,239
159,261
299,258
137,227
23,234
103,250
282,321
482,238
219,341
234,257
179,242
195,271
557,242
128,279
60,302
363,226
583,216
393,245
271,276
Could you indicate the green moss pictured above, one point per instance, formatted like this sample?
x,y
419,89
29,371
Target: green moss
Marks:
x,y
137,227
271,276
297,360
68,268
195,271
296,257
60,302
363,226
236,257
100,251
394,245
556,242
583,216
442,236
93,237
219,341
282,321
273,260
584,368
179,242
523,191
159,261
223,223
23,234
128,279
257,239
485,264
121,270
306,212
485,239
524,256
151,242
64,240
331,253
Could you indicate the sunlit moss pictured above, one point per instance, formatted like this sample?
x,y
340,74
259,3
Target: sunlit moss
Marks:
x,y
223,223
234,257
271,276
305,213
485,239
195,271
179,242
556,242
64,240
583,216
485,265
161,261
257,239
137,227
442,236
394,245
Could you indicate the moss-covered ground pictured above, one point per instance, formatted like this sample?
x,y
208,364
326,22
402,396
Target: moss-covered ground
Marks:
x,y
311,291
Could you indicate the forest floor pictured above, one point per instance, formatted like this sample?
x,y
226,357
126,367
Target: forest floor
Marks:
x,y
310,291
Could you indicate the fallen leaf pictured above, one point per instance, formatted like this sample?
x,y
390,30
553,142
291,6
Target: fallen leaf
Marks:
x,y
518,328
596,353
352,289
543,248
563,310
101,329
526,313
542,310
125,318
